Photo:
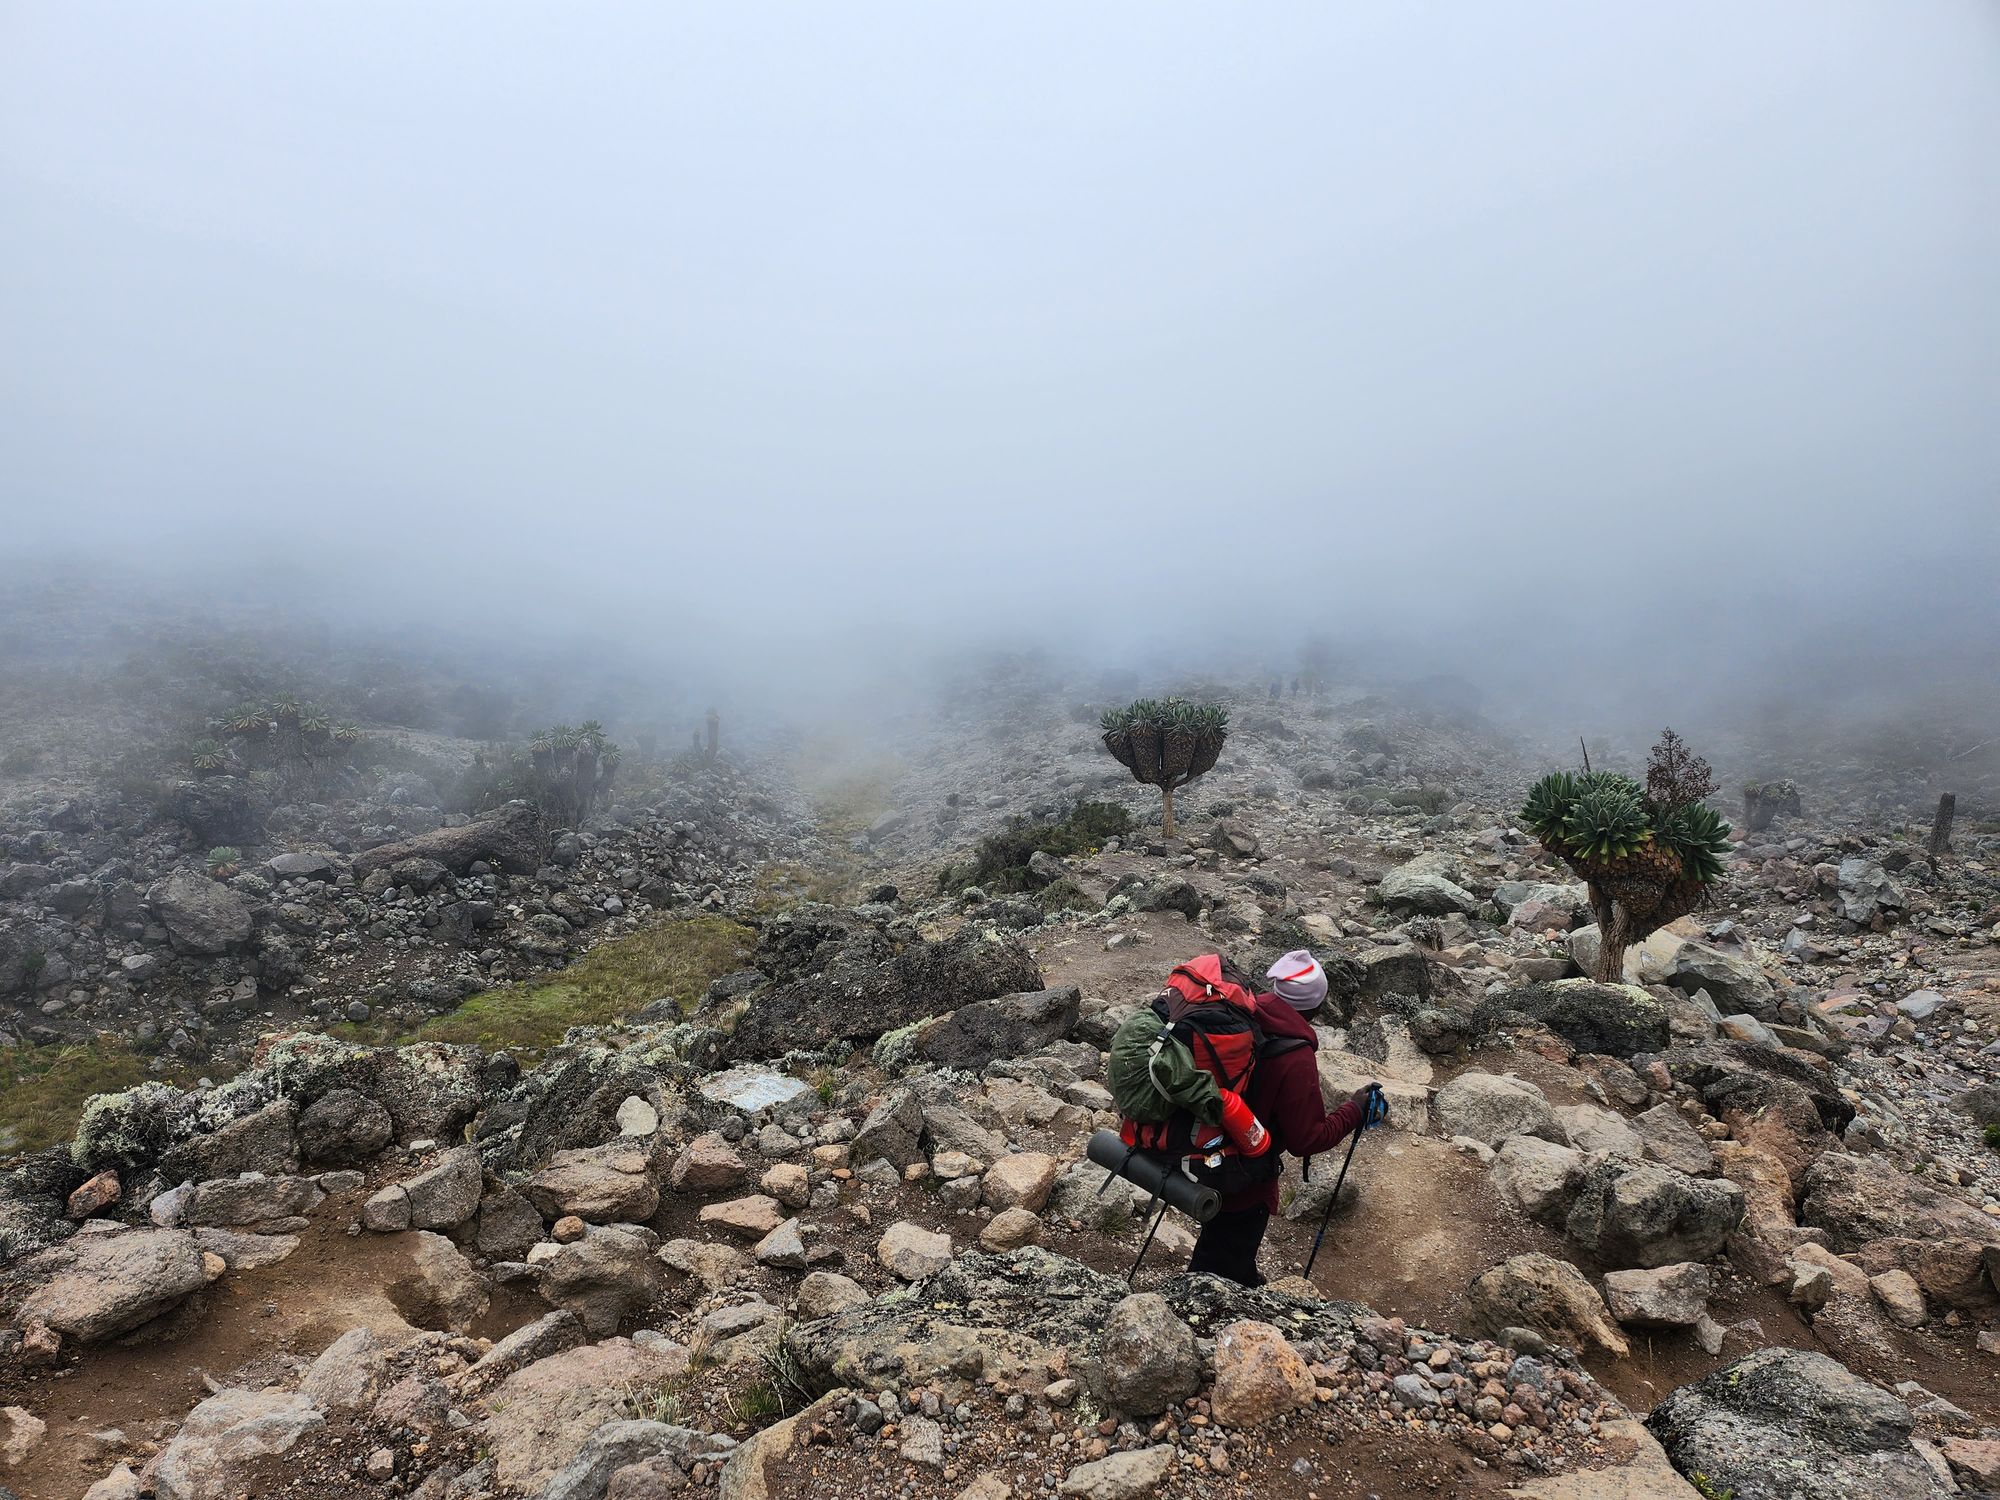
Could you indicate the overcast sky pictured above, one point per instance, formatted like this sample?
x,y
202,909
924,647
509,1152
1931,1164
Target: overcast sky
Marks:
x,y
868,316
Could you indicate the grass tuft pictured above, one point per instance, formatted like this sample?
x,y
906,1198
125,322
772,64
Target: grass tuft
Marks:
x,y
43,1089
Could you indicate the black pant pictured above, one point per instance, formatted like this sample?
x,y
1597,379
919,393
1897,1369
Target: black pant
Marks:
x,y
1228,1245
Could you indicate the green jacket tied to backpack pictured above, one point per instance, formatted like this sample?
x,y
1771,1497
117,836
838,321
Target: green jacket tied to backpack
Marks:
x,y
1151,1088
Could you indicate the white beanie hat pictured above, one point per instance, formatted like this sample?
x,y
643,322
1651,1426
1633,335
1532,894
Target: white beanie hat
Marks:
x,y
1299,980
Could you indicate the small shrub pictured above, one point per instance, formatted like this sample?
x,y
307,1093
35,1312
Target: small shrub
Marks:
x,y
999,863
1710,1490
223,860
1992,1134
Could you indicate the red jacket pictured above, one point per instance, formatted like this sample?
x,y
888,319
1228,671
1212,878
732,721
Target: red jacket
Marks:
x,y
1284,1094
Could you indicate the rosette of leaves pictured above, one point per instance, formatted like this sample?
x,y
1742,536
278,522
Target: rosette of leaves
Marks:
x,y
1648,854
205,758
1166,743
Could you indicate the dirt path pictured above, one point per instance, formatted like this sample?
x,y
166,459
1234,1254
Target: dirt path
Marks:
x,y
247,1320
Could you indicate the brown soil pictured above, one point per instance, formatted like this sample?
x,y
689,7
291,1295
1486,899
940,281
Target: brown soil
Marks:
x,y
144,1387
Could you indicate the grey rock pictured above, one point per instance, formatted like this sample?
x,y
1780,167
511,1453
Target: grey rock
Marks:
x,y
1782,1423
1489,1108
974,1035
1150,1361
211,1456
1628,1214
1427,887
893,1132
343,1127
96,1286
200,914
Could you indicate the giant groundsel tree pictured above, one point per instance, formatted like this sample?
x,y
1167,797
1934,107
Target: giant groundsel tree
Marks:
x,y
1166,743
1647,853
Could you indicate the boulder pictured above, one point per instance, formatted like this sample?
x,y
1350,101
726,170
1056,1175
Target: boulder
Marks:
x,y
512,838
1733,982
1981,1104
347,1375
748,1218
1134,1475
601,1185
1258,1375
864,989
893,1132
976,1034
1341,1073
1665,1297
1668,1139
211,1457
305,864
1773,1099
253,1199
708,1164
1540,1177
1010,1229
1629,1214
95,1286
1618,1020
508,1225
1426,886
201,915
1550,1296
447,1194
1952,1273
1782,1423
1591,1127
1489,1108
264,1140
1866,891
824,1293
540,1417
342,1128
1856,1199
1150,1361
440,1290
604,1278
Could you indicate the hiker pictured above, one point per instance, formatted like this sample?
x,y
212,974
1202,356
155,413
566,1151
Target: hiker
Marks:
x,y
1283,1093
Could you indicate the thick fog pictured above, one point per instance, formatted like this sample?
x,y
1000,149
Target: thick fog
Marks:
x,y
1593,349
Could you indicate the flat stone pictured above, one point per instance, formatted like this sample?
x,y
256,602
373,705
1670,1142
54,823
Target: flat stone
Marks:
x,y
749,1218
912,1252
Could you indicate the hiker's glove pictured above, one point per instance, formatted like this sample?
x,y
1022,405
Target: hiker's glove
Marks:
x,y
1370,1101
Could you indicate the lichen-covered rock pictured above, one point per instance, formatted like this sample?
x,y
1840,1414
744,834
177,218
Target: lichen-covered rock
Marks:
x,y
1784,1423
867,988
342,1128
972,1036
1618,1020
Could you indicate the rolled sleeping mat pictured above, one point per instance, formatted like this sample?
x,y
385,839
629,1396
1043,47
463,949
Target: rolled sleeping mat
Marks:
x,y
1154,1174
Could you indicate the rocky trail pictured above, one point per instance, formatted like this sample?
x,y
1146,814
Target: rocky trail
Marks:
x,y
823,1227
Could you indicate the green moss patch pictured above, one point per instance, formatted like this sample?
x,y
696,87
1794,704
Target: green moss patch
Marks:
x,y
678,957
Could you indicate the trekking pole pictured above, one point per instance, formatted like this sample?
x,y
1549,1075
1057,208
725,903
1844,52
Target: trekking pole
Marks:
x,y
1147,1243
1334,1197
